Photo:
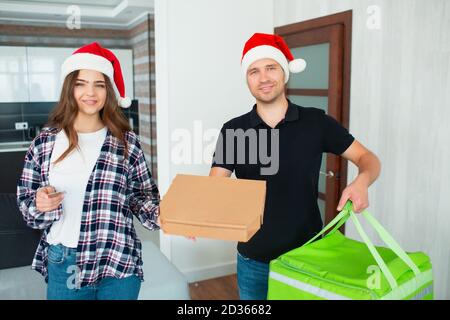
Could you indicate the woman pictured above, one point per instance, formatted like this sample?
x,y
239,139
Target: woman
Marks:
x,y
84,178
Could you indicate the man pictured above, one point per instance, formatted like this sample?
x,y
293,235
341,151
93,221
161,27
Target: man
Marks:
x,y
291,215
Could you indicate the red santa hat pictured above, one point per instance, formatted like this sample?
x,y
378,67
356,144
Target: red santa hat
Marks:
x,y
262,45
94,57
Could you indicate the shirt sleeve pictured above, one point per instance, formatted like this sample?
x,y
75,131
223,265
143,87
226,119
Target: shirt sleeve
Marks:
x,y
29,183
336,138
144,194
224,157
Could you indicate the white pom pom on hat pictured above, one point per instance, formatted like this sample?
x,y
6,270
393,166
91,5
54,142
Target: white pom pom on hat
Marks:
x,y
124,102
297,65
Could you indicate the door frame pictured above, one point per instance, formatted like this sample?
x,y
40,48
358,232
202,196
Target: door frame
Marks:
x,y
343,21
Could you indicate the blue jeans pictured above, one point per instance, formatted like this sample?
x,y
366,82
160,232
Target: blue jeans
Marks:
x,y
62,283
253,277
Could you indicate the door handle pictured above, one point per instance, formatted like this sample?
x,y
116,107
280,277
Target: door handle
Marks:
x,y
329,174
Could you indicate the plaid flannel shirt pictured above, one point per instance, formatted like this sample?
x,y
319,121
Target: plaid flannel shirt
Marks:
x,y
117,189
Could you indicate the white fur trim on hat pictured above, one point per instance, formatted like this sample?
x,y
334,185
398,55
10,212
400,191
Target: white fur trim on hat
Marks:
x,y
263,52
79,61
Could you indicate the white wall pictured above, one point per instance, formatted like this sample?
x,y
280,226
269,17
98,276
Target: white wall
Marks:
x,y
400,108
198,46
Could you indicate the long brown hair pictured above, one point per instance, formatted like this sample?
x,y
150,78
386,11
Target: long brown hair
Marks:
x,y
65,112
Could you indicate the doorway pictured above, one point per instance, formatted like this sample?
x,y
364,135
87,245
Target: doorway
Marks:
x,y
325,44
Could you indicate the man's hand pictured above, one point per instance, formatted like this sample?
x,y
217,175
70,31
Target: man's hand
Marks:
x,y
358,193
46,203
369,169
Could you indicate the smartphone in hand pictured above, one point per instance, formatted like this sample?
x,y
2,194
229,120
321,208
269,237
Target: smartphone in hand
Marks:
x,y
55,194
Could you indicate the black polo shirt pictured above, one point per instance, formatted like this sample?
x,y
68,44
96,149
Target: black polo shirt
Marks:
x,y
291,214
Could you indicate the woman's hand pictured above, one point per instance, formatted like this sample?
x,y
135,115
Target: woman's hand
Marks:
x,y
158,222
44,202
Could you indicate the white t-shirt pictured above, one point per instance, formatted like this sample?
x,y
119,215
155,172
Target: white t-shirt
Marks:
x,y
72,175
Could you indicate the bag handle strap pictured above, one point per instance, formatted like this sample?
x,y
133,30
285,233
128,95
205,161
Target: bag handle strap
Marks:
x,y
390,242
380,262
340,219
347,213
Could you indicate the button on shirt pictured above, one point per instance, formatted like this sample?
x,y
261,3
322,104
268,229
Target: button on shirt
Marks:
x,y
288,158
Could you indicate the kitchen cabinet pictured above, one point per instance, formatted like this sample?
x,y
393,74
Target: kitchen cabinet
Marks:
x,y
32,74
13,74
44,65
11,166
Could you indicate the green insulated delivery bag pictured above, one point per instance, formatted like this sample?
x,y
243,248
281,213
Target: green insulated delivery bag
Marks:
x,y
336,267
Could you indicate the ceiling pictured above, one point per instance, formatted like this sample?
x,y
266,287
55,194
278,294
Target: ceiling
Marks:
x,y
103,13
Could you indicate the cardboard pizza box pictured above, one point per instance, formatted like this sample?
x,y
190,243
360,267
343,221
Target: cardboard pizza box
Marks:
x,y
213,207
